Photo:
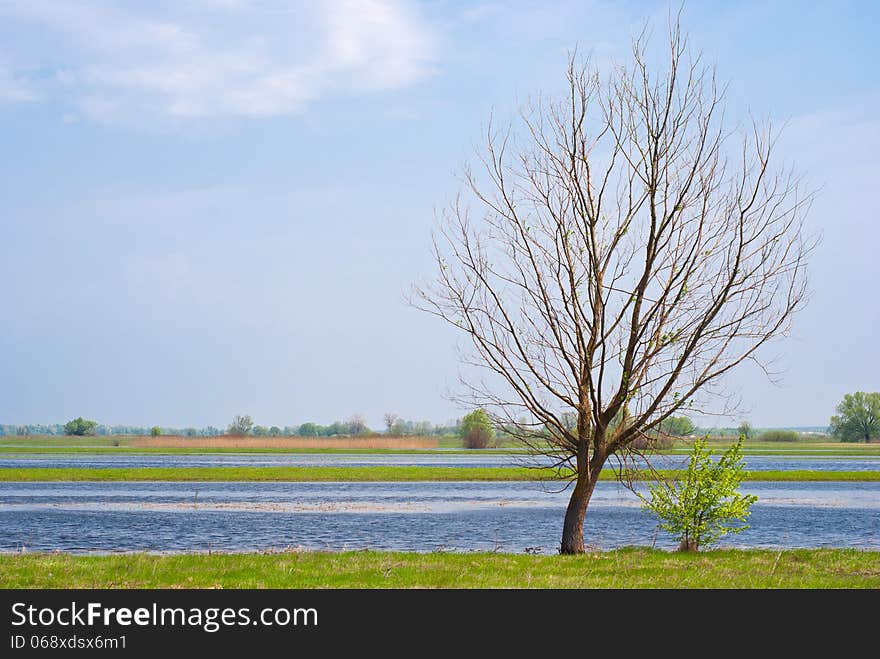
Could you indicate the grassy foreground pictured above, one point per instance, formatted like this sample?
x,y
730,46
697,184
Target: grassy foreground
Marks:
x,y
623,568
367,474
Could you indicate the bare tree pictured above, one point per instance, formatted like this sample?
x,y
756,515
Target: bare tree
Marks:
x,y
627,254
357,425
390,420
241,425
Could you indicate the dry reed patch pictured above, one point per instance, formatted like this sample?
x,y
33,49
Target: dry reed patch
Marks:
x,y
229,441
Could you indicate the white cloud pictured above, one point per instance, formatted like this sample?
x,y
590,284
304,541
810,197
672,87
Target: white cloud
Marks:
x,y
13,90
221,57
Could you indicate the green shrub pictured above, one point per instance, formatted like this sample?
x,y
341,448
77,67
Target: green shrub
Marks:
x,y
80,427
779,436
476,429
703,504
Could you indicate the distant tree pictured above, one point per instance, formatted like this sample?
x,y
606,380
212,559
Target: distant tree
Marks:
x,y
857,418
275,431
155,431
745,430
476,429
191,432
80,427
390,419
700,506
400,428
309,430
357,425
22,431
260,431
422,428
568,419
679,426
241,425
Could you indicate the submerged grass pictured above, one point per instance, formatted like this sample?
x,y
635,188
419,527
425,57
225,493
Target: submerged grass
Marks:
x,y
623,568
377,473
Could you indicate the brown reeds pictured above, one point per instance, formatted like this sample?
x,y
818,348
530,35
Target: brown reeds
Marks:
x,y
229,441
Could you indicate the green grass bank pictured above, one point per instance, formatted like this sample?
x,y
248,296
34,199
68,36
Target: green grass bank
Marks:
x,y
624,568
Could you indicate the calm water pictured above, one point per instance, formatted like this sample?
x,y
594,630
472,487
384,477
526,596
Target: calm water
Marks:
x,y
756,463
87,517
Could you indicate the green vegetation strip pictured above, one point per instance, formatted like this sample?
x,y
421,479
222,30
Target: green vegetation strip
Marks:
x,y
624,568
356,474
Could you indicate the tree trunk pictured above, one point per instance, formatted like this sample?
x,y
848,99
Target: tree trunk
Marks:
x,y
688,545
573,527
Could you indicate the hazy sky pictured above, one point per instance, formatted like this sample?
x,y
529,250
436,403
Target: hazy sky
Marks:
x,y
211,207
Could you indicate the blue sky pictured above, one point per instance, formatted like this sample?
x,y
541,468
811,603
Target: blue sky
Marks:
x,y
211,207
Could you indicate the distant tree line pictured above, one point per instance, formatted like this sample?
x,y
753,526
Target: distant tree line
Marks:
x,y
762,433
240,425
102,430
355,426
857,419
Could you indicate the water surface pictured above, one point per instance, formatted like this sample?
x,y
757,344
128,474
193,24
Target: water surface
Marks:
x,y
462,516
122,460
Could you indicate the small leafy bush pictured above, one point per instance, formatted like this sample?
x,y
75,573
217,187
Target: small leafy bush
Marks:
x,y
699,507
